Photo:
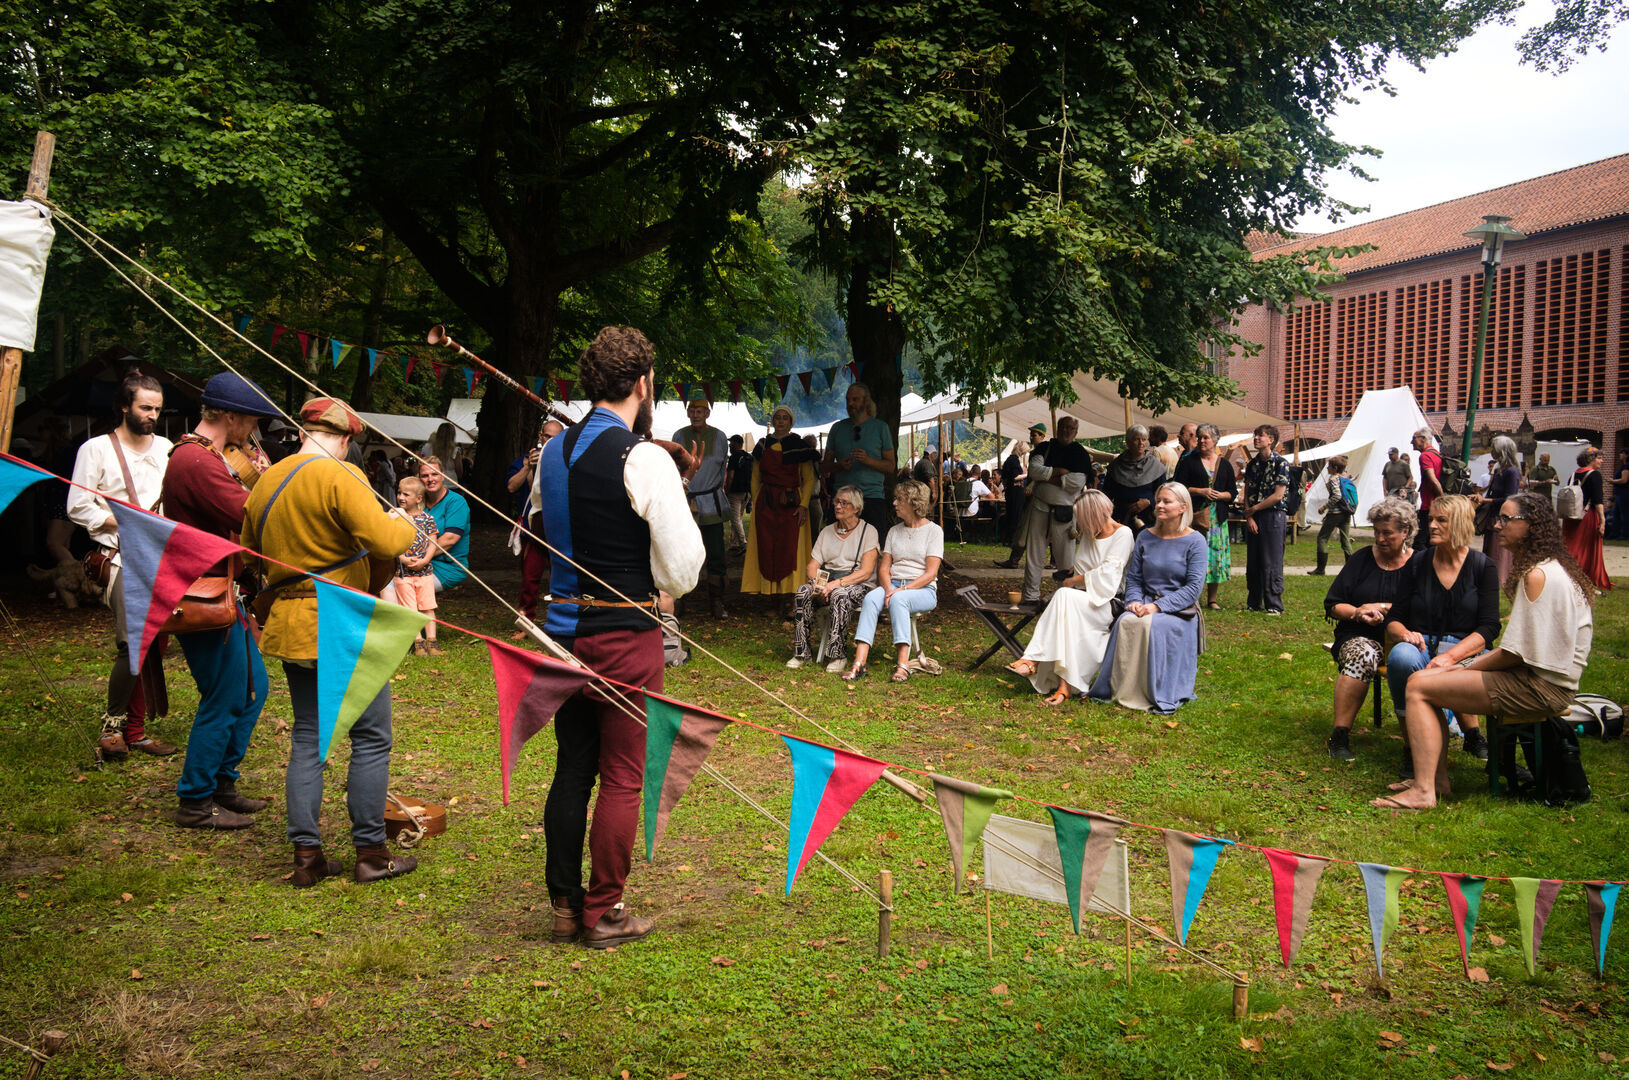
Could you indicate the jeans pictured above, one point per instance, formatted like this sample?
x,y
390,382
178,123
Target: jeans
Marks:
x,y
903,604
231,680
1405,659
367,781
1264,561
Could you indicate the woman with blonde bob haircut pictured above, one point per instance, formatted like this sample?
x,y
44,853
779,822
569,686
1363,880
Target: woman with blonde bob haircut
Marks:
x,y
1152,660
1073,632
907,571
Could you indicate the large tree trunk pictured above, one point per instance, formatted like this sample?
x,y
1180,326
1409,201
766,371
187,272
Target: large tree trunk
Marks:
x,y
509,420
372,330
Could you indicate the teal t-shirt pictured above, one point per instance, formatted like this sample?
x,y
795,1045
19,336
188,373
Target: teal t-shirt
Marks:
x,y
452,513
873,437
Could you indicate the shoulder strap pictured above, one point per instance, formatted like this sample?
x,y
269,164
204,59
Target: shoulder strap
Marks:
x,y
124,468
260,530
265,511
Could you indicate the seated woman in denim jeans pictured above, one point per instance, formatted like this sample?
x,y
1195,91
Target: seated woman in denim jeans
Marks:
x,y
1448,613
910,562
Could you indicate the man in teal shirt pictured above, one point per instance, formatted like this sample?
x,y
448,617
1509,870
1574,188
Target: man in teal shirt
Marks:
x,y
451,514
860,451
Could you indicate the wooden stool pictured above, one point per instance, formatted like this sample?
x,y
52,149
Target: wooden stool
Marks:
x,y
1496,736
1379,691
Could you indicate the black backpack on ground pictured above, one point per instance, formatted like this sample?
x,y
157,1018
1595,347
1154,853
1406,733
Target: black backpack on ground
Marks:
x,y
1561,780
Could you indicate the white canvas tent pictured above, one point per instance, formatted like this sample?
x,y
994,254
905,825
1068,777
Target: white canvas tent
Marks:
x,y
1384,418
411,431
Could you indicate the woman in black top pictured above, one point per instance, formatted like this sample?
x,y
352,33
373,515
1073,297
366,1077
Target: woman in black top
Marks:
x,y
1504,482
1449,611
1358,601
1208,476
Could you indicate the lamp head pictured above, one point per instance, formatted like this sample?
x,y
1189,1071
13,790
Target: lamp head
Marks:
x,y
1493,232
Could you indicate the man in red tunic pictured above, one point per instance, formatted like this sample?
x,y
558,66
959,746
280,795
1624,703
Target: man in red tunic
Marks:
x,y
203,490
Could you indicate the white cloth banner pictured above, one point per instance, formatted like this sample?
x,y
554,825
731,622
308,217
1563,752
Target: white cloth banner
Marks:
x,y
1021,857
25,241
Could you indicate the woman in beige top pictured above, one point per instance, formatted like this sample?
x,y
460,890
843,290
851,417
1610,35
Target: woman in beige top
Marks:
x,y
1535,670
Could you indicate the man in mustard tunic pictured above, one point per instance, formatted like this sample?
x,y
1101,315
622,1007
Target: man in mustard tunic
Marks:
x,y
313,511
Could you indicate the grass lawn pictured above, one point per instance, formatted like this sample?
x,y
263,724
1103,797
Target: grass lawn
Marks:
x,y
176,953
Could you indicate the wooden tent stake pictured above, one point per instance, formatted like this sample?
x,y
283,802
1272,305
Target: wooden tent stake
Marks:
x,y
1241,997
989,934
50,1043
885,910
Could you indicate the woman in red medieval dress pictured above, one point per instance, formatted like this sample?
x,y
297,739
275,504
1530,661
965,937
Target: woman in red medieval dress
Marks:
x,y
783,482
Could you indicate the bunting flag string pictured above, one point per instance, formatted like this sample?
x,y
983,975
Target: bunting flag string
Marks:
x,y
831,376
278,330
677,742
160,559
362,641
373,361
825,783
337,348
965,809
782,381
531,689
1295,880
1464,903
807,379
1601,897
1534,899
1191,858
15,478
1085,840
1381,885
760,385
304,337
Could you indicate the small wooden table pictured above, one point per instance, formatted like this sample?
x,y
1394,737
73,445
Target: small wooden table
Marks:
x,y
1006,635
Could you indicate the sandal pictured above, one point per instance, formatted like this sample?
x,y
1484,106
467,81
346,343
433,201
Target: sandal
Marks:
x,y
854,674
901,674
1022,668
1058,696
1214,606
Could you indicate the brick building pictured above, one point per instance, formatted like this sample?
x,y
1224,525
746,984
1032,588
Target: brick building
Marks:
x,y
1558,343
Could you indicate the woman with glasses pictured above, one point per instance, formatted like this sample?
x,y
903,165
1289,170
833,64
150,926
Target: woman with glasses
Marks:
x,y
842,568
1073,632
1358,601
909,568
1446,612
1536,669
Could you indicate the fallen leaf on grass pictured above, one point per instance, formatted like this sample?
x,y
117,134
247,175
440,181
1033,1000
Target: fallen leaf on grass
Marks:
x,y
259,937
481,1024
1285,656
135,973
321,999
576,965
1253,1045
1392,1037
1540,1056
677,1076
1497,1067
723,961
1495,939
1171,724
371,1064
1606,1058
1479,974
999,988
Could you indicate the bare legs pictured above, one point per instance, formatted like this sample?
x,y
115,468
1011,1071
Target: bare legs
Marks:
x,y
1429,692
1349,695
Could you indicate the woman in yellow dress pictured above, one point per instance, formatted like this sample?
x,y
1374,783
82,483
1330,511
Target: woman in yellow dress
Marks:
x,y
783,482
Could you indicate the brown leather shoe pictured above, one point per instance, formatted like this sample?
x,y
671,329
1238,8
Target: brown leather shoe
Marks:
x,y
617,927
227,797
111,747
375,863
568,920
311,866
149,745
204,814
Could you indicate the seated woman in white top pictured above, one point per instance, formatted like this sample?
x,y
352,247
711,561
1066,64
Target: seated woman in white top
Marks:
x,y
1535,670
910,563
842,569
1073,632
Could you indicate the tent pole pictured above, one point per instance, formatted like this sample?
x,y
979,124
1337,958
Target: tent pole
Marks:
x,y
11,360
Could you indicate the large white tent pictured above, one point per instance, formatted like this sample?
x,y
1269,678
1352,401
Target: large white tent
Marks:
x,y
1383,419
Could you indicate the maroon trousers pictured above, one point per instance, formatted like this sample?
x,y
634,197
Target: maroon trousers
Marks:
x,y
595,737
534,567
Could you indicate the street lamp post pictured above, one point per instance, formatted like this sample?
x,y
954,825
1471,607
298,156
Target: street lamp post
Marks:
x,y
1493,232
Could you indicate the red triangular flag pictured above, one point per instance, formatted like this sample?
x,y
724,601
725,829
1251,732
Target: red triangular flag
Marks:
x,y
853,370
783,381
531,689
278,330
563,388
305,342
807,379
407,372
735,390
160,559
1295,878
438,367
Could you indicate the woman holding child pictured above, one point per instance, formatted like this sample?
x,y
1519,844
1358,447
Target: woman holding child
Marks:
x,y
1153,654
1536,669
842,568
1358,601
1073,631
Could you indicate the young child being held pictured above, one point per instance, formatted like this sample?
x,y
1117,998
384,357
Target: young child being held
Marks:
x,y
415,582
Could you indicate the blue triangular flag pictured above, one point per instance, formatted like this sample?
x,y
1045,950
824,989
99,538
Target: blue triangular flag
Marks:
x,y
336,347
1191,859
241,323
361,640
373,360
15,476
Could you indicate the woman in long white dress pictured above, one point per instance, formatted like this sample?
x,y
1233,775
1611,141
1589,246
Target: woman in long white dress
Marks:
x,y
1063,657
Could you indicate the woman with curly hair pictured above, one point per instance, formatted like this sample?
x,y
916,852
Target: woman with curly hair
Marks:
x,y
1535,670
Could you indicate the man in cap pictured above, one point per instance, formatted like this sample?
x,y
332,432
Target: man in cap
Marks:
x,y
128,464
1541,479
314,511
705,482
1013,473
203,490
1395,474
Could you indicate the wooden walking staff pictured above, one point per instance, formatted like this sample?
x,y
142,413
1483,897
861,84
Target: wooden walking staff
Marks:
x,y
11,360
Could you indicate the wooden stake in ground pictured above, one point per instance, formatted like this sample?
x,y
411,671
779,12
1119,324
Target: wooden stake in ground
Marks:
x,y
50,1043
1241,997
11,360
989,934
885,910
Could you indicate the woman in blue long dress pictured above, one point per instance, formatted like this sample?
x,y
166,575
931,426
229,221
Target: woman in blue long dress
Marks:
x,y
1153,655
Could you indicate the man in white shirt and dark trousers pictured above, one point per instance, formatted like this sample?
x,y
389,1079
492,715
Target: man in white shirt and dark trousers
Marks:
x,y
1057,475
128,463
614,507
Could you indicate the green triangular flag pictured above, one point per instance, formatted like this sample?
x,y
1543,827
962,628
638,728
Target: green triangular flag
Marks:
x,y
678,739
1084,842
965,809
1534,899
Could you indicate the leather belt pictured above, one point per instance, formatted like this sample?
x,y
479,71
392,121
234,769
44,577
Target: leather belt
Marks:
x,y
591,602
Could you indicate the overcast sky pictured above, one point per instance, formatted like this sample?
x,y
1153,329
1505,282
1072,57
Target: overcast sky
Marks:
x,y
1436,131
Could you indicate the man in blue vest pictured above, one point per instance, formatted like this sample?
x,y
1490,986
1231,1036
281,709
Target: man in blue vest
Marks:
x,y
614,509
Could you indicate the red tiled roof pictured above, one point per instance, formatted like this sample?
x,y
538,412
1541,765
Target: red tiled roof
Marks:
x,y
1558,200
